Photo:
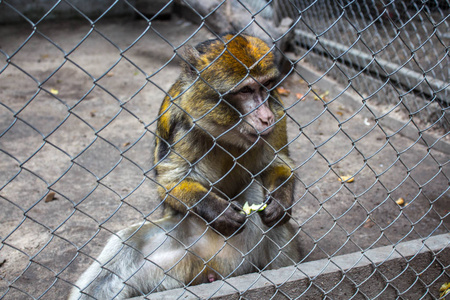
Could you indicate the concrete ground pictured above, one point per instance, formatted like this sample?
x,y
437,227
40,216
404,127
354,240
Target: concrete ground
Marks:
x,y
86,133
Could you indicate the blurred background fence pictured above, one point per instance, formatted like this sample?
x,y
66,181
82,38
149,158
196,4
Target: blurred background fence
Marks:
x,y
402,45
366,89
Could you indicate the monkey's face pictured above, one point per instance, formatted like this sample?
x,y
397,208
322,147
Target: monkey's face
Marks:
x,y
229,82
251,105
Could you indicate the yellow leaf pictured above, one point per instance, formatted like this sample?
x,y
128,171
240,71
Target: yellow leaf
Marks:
x,y
321,96
54,91
445,289
347,178
400,201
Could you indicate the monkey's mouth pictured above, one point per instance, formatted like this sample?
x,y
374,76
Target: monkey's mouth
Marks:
x,y
253,136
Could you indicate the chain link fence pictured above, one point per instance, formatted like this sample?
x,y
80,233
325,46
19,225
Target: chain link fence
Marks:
x,y
402,45
365,87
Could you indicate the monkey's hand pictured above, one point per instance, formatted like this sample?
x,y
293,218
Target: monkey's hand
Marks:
x,y
275,213
220,214
280,190
223,216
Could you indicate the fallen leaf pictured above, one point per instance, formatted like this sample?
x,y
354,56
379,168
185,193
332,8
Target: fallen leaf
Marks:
x,y
54,91
282,91
321,96
299,96
368,224
347,178
126,144
444,289
50,197
400,201
110,74
340,113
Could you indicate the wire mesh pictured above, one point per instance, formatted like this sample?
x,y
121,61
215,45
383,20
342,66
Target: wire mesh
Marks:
x,y
365,89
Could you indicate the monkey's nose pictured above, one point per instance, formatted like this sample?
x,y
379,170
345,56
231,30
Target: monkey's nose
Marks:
x,y
265,127
268,120
265,116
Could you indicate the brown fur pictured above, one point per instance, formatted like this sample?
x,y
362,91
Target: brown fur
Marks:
x,y
221,142
202,159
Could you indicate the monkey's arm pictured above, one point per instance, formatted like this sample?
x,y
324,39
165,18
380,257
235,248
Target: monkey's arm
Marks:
x,y
190,195
278,179
279,182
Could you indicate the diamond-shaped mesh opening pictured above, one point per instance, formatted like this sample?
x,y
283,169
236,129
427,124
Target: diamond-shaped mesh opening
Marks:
x,y
46,58
89,64
69,84
10,76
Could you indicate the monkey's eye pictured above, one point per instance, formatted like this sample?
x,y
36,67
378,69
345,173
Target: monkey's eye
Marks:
x,y
268,84
246,90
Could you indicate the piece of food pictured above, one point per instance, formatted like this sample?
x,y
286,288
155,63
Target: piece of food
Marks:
x,y
254,207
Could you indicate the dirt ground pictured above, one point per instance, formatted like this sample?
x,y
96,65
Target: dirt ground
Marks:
x,y
77,118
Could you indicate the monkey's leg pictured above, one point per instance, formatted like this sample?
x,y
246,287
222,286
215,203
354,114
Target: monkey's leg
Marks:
x,y
271,247
284,246
141,259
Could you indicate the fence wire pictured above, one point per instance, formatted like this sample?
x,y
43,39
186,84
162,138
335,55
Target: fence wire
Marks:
x,y
365,91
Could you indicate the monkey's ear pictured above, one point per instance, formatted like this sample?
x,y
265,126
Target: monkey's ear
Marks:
x,y
190,59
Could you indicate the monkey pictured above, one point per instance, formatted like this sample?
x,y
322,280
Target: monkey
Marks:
x,y
221,124
221,142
